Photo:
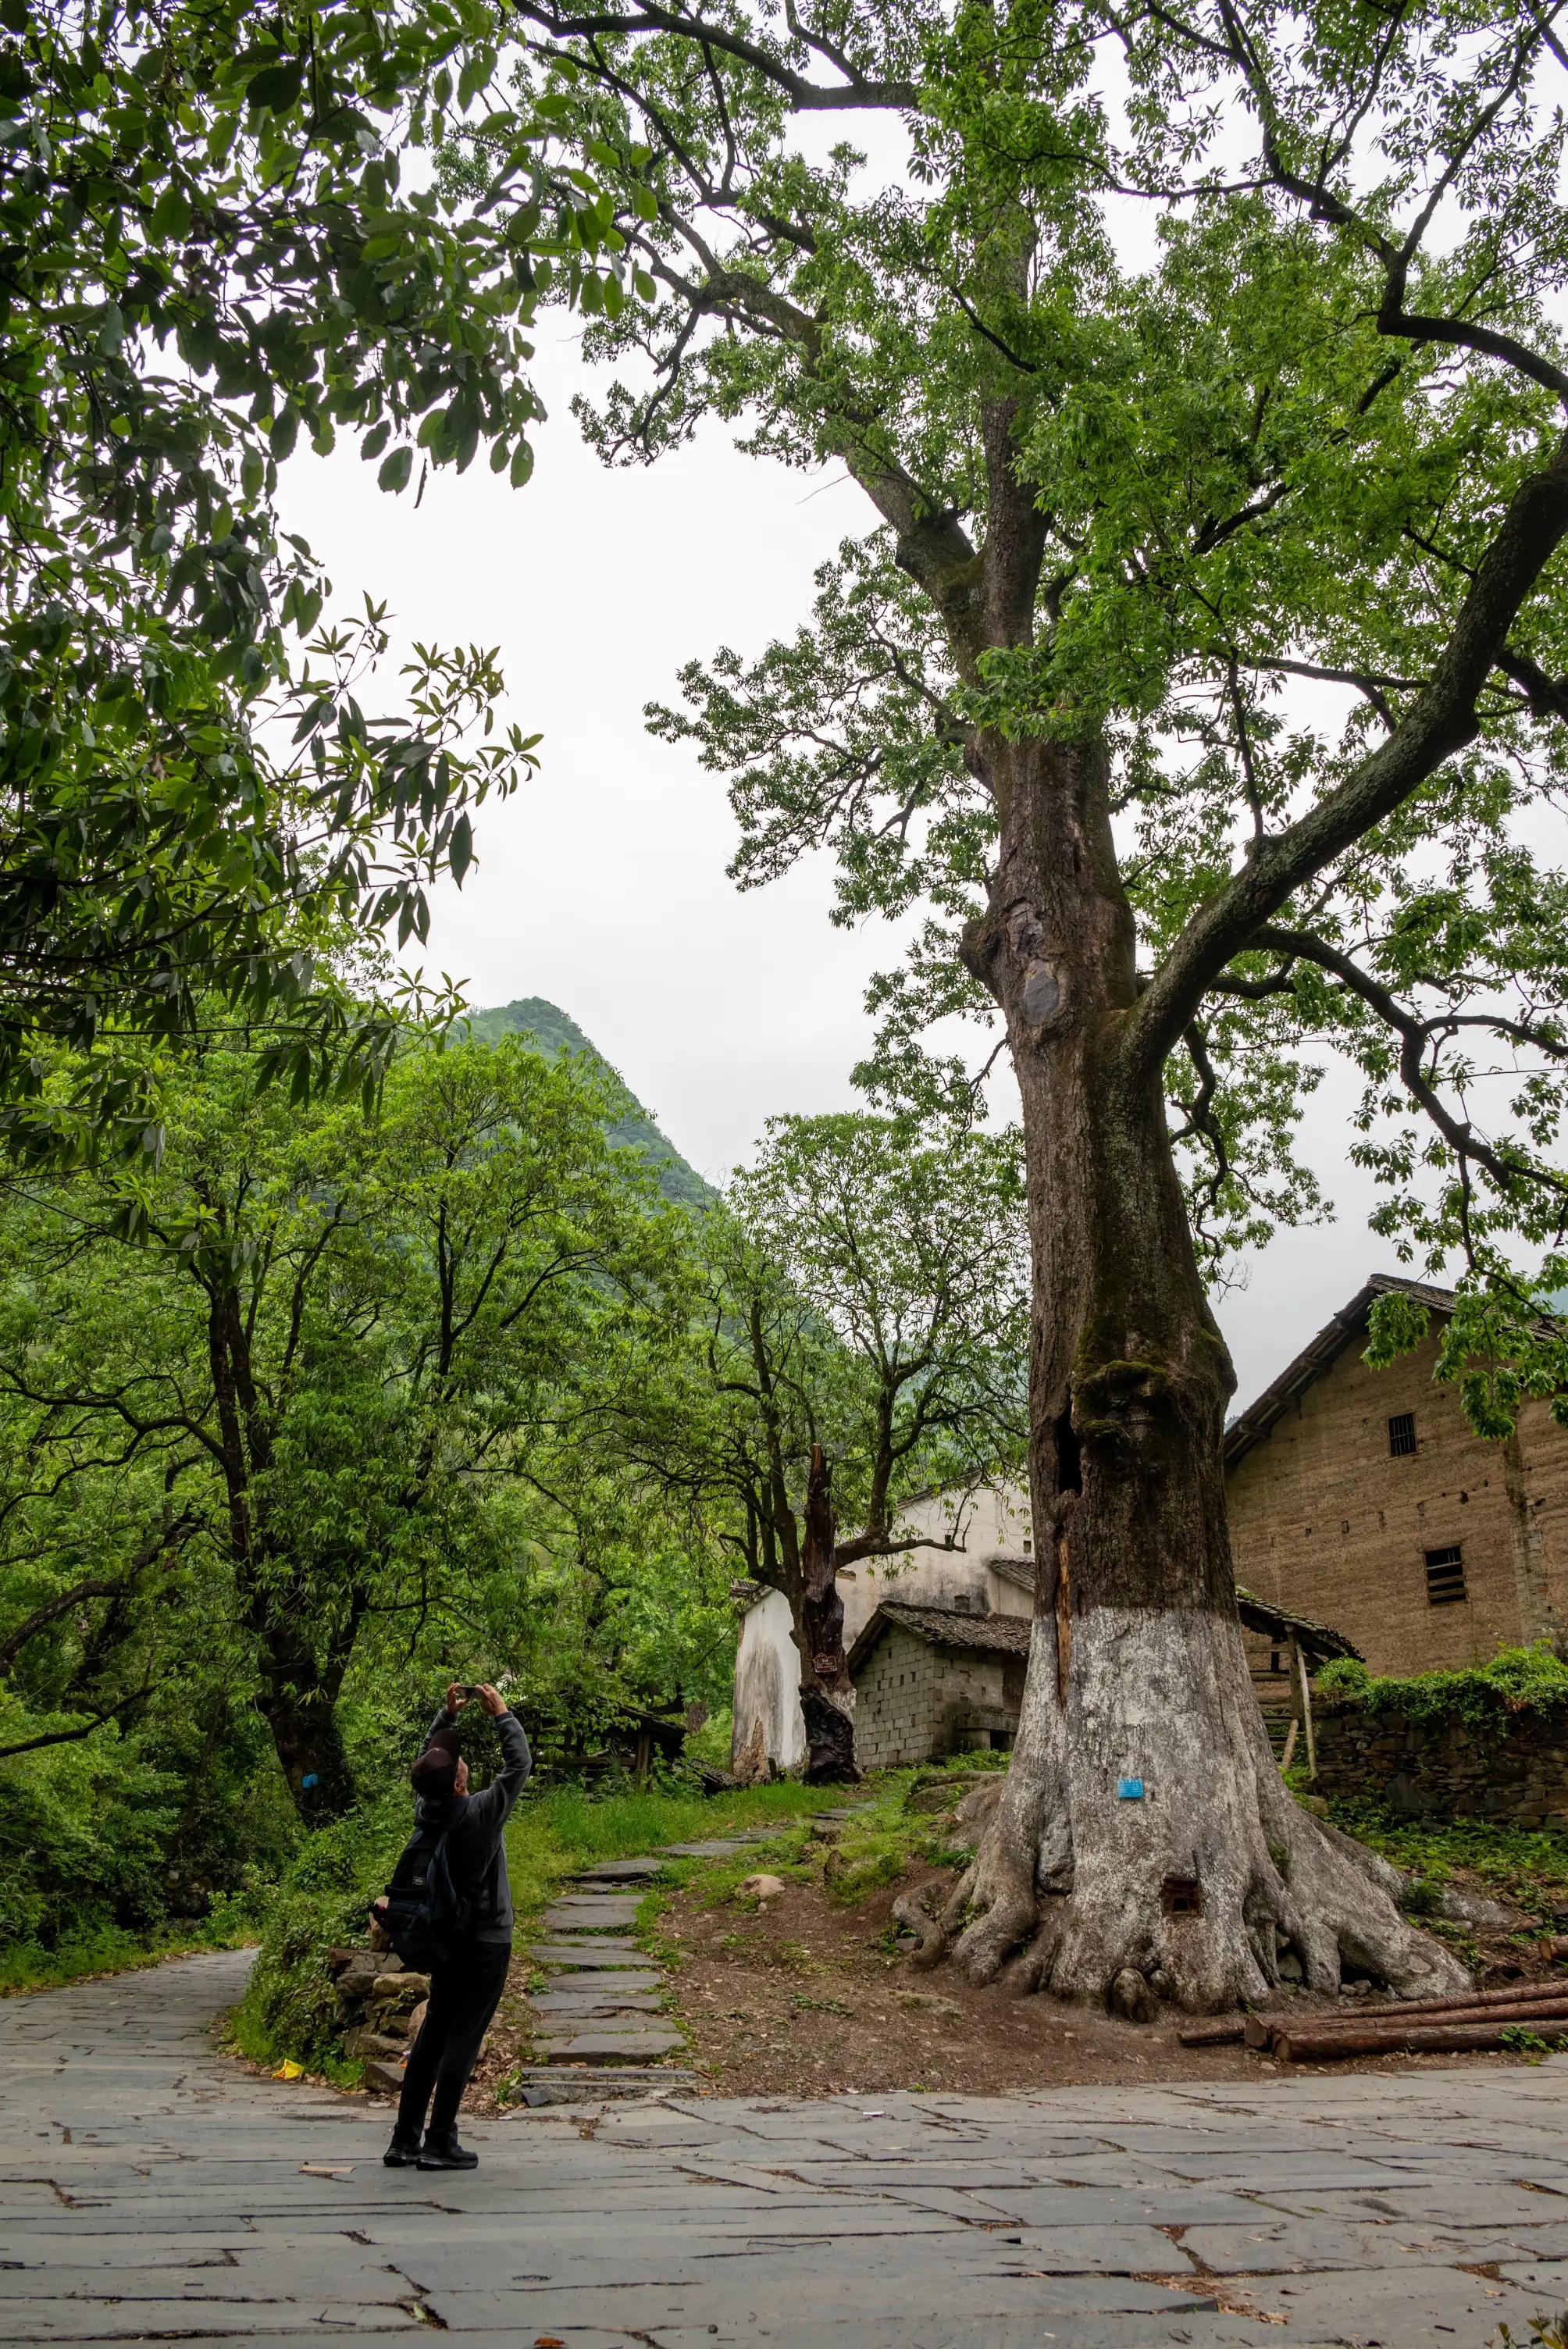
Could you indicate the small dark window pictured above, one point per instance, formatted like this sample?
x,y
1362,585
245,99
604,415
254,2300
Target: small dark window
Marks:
x,y
1180,1897
1402,1435
1446,1576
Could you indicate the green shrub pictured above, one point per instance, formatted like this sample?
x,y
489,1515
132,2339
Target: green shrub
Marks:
x,y
1528,1866
290,2009
1516,1680
128,1841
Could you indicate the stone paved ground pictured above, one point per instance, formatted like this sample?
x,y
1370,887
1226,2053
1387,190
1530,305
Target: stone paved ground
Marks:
x,y
149,2190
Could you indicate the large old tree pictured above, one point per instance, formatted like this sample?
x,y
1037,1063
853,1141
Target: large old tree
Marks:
x,y
1201,673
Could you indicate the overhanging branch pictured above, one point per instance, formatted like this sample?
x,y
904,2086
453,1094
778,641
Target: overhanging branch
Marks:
x,y
1439,720
857,91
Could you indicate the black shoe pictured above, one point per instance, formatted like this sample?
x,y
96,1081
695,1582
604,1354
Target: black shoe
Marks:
x,y
446,2153
403,2152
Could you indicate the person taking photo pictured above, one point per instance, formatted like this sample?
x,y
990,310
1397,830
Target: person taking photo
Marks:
x,y
468,1979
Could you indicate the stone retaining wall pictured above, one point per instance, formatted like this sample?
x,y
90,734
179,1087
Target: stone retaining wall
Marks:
x,y
1512,1772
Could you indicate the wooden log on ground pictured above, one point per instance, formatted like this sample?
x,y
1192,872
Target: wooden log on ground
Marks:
x,y
1479,2007
1391,2025
1260,2029
1392,2017
1299,2047
1225,2030
1509,1994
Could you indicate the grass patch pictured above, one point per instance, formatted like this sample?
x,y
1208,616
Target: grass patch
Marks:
x,y
289,2012
874,1847
113,1950
1526,1866
564,1830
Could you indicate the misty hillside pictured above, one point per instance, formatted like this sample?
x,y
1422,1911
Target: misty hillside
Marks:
x,y
531,1015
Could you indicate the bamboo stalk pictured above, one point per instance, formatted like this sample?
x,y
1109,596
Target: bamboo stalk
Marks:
x,y
1304,1687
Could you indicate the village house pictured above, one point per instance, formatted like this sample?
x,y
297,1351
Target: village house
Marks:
x,y
1365,1497
935,1679
938,1641
977,1561
1367,1518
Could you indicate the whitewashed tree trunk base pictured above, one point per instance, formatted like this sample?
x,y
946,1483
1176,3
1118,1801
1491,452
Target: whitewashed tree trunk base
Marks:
x,y
1201,1883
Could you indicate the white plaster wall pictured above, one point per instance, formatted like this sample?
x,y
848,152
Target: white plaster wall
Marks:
x,y
768,1685
767,1667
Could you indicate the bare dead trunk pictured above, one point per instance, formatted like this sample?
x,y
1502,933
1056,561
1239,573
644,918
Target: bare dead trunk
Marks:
x,y
827,1692
1143,1823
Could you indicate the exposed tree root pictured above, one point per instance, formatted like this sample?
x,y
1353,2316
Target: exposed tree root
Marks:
x,y
1200,1884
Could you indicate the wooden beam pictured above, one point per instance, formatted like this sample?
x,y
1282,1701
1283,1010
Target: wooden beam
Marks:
x,y
1286,1758
1305,1690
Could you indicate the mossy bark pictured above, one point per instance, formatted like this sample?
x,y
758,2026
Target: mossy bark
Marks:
x,y
1144,1823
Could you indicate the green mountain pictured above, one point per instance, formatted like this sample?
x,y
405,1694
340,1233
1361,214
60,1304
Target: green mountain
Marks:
x,y
554,1032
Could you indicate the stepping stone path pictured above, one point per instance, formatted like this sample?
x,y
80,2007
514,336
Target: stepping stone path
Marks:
x,y
599,2026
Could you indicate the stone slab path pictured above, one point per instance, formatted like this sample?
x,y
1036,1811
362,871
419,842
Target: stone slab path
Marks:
x,y
151,2190
601,2016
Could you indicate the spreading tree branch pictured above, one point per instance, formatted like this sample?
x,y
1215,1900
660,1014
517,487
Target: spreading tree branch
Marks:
x,y
1440,720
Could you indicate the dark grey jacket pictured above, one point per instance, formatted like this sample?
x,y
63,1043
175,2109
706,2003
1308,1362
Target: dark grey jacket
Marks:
x,y
475,1827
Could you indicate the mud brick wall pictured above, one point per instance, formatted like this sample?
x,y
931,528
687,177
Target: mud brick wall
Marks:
x,y
1513,1774
1327,1523
910,1697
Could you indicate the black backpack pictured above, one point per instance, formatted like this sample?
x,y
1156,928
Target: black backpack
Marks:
x,y
426,1917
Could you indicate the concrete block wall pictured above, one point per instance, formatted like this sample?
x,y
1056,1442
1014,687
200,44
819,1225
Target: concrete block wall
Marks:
x,y
912,1694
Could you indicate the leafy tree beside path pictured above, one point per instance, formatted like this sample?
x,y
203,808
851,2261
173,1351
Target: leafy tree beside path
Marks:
x,y
213,248
1121,517
336,1358
859,1332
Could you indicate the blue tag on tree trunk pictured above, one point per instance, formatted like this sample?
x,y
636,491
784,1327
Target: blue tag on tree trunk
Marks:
x,y
310,1780
1129,1790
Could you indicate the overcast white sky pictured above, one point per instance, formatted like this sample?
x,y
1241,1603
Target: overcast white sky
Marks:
x,y
602,886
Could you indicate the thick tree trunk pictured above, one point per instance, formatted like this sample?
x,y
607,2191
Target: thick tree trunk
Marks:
x,y
302,1720
827,1692
1143,1822
296,1698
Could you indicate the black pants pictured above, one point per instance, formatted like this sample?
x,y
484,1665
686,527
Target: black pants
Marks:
x,y
464,1995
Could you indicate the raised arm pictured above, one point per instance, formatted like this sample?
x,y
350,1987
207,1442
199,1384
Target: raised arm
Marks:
x,y
495,1805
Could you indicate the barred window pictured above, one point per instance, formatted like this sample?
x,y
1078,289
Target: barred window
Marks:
x,y
1446,1576
1402,1435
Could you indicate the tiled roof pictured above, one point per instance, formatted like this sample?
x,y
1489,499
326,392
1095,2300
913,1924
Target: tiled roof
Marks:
x,y
944,1626
1011,1568
1249,1426
1316,1641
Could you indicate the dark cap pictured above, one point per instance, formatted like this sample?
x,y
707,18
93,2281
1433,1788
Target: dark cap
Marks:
x,y
435,1773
